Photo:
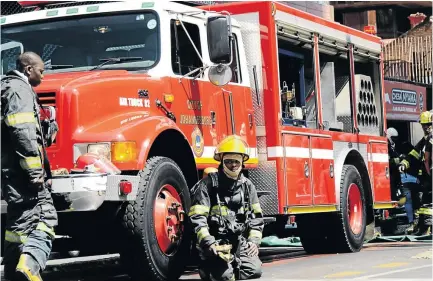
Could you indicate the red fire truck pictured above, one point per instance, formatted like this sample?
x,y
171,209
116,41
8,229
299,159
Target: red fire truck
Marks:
x,y
154,86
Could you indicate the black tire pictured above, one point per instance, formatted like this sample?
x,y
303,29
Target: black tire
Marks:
x,y
142,256
331,232
345,241
314,234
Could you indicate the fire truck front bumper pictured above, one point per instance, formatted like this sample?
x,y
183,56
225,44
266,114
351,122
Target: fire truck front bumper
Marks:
x,y
87,192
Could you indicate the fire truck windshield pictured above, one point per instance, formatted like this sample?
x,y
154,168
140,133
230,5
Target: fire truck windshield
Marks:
x,y
79,44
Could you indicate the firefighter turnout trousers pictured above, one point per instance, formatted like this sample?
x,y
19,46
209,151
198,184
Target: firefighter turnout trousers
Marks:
x,y
215,268
425,212
29,230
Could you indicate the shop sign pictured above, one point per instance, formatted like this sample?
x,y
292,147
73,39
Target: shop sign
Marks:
x,y
404,101
370,29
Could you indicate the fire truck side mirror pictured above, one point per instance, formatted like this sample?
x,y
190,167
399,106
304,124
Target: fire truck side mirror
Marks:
x,y
219,37
220,75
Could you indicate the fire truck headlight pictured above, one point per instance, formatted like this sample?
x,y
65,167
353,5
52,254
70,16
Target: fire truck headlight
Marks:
x,y
101,149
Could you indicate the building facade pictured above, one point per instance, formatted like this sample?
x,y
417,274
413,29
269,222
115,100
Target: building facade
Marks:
x,y
406,30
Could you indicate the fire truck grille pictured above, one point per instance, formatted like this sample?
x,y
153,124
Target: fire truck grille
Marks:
x,y
264,178
47,99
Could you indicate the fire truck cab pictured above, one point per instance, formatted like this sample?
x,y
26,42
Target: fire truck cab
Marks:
x,y
154,86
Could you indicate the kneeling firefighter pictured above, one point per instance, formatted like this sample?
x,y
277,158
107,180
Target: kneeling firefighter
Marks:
x,y
227,218
419,159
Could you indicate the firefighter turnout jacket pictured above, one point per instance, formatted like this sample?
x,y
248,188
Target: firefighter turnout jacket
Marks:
x,y
428,153
414,161
22,156
219,214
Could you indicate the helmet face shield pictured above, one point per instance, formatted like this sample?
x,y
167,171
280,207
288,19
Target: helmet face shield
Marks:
x,y
231,162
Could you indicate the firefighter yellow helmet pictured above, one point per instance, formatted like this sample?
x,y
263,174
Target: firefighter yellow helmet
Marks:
x,y
209,170
425,118
232,144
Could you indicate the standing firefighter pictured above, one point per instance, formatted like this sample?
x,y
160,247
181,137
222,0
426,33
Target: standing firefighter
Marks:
x,y
419,160
394,161
227,217
31,215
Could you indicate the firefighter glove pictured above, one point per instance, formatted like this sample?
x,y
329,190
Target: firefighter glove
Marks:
x,y
402,168
210,251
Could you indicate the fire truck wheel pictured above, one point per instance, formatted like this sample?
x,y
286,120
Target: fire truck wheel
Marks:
x,y
156,247
313,231
351,223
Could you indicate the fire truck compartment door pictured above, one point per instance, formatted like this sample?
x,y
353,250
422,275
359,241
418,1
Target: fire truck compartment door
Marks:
x,y
322,158
297,169
378,165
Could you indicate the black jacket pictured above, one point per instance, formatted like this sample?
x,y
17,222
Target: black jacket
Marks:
x,y
414,161
22,155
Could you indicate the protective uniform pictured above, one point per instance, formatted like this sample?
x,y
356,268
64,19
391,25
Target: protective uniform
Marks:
x,y
31,216
414,165
425,212
226,213
394,161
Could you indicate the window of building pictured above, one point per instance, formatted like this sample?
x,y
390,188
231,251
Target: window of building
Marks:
x,y
385,21
184,58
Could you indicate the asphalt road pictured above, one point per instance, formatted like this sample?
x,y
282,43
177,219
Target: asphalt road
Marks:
x,y
387,261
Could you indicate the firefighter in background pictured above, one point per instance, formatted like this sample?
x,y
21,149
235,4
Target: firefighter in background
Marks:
x,y
394,161
31,215
227,218
426,211
415,164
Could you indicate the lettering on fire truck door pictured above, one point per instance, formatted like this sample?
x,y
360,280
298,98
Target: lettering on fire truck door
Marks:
x,y
322,158
297,169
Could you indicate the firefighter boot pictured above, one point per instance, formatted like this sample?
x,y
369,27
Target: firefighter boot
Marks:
x,y
414,226
410,229
423,228
28,269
